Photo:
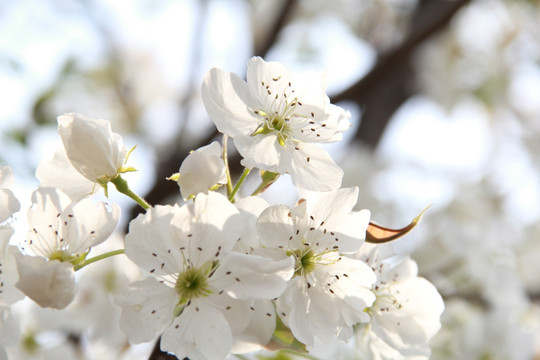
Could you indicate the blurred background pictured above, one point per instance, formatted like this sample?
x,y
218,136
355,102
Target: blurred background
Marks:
x,y
445,97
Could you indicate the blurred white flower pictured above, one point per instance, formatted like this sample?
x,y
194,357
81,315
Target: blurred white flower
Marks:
x,y
330,291
8,202
92,148
405,315
201,170
203,297
8,273
275,119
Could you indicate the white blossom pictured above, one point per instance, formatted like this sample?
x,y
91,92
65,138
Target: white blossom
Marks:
x,y
405,315
55,170
91,146
202,170
330,291
8,272
61,234
200,292
276,118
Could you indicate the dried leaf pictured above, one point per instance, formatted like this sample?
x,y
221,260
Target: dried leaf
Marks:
x,y
377,234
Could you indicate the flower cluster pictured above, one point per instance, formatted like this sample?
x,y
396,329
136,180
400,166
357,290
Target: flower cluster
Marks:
x,y
223,271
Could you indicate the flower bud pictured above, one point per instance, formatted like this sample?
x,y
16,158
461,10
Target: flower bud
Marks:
x,y
91,146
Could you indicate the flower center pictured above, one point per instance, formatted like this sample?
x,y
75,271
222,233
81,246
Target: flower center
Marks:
x,y
274,123
63,256
306,260
385,301
282,108
191,284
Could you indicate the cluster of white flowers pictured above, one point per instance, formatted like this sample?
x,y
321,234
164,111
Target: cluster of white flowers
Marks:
x,y
225,275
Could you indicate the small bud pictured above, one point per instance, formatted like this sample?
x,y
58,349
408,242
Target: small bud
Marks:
x,y
92,148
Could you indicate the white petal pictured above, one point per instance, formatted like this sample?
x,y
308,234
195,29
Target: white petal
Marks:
x,y
277,229
58,224
250,208
48,283
209,227
150,242
57,171
350,281
201,170
7,180
91,146
252,277
312,168
9,328
260,329
224,96
261,151
9,294
332,211
94,223
8,204
236,312
200,332
45,220
147,309
309,313
417,320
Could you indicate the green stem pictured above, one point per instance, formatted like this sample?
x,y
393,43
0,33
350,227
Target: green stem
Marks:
x,y
243,177
99,257
122,186
226,162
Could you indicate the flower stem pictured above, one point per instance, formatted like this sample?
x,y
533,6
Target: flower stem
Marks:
x,y
99,257
226,163
122,186
243,177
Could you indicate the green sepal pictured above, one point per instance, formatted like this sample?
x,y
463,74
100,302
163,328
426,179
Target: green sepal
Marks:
x,y
129,153
174,177
125,169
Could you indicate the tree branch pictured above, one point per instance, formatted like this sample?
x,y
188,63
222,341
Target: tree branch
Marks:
x,y
382,91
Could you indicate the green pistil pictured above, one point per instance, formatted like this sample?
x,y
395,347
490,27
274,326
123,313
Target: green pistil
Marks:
x,y
62,256
30,343
277,124
192,284
305,261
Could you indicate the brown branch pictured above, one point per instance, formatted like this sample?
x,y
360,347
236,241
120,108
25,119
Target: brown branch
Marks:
x,y
262,48
389,83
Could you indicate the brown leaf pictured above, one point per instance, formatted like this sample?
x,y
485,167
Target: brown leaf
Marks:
x,y
377,234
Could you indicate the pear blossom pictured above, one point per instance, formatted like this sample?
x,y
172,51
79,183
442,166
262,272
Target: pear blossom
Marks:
x,y
8,272
330,291
92,148
200,293
405,315
55,170
9,294
201,170
276,119
61,235
8,202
